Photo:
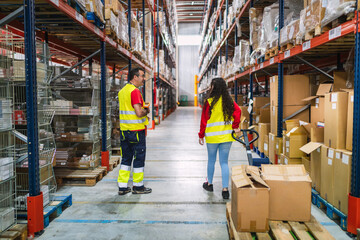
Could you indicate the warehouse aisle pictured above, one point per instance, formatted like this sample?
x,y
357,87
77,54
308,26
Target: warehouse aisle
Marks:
x,y
178,207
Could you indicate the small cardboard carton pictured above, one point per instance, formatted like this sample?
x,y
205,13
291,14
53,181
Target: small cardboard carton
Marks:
x,y
264,129
272,146
250,200
287,161
306,163
294,139
314,149
290,192
327,174
342,168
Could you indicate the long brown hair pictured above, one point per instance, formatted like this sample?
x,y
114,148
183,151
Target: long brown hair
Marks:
x,y
219,89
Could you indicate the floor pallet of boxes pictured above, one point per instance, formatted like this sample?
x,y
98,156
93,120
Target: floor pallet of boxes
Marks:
x,y
281,230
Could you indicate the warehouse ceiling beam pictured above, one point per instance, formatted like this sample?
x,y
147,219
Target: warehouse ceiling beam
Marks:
x,y
316,68
74,66
10,17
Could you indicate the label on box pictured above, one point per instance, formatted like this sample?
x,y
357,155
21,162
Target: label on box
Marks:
x,y
318,150
271,62
286,161
287,144
277,146
287,54
56,2
272,137
306,45
316,105
333,105
79,17
320,124
331,153
317,100
287,150
261,65
265,146
335,32
345,159
334,97
308,13
338,155
352,98
249,109
329,161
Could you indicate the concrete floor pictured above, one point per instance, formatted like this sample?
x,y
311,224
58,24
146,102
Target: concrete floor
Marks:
x,y
178,207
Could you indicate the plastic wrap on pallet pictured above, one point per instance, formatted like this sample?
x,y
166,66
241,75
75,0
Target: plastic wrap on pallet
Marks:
x,y
289,32
255,19
337,8
270,25
99,10
301,32
314,14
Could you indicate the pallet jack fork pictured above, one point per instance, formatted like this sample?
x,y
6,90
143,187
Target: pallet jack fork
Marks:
x,y
244,139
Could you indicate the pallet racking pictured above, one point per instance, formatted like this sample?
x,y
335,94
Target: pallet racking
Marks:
x,y
330,47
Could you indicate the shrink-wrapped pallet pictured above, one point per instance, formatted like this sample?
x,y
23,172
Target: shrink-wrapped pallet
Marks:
x,y
337,8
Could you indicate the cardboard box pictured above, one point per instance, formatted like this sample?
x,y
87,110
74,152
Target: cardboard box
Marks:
x,y
342,168
245,113
256,128
278,146
266,145
327,174
314,149
294,139
250,201
287,111
260,101
264,129
306,163
272,149
350,119
290,192
263,116
288,161
317,134
335,119
340,79
296,88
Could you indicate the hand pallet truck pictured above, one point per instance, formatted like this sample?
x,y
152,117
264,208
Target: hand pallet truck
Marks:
x,y
244,139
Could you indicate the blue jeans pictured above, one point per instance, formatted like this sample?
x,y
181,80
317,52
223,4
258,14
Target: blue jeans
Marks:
x,y
224,149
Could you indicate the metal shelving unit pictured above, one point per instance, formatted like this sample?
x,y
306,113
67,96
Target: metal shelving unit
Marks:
x,y
7,145
331,47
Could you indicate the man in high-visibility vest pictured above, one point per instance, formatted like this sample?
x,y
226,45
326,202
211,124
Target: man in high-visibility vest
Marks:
x,y
133,121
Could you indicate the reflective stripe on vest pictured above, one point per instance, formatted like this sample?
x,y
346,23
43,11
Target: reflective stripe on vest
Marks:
x,y
128,118
217,130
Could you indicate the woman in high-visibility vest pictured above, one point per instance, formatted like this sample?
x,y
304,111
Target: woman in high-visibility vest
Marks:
x,y
220,116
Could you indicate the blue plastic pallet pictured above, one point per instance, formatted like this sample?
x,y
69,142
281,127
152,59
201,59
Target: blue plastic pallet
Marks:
x,y
94,19
331,211
56,207
59,203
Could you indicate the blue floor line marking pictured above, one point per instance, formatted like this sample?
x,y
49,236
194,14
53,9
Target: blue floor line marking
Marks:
x,y
137,222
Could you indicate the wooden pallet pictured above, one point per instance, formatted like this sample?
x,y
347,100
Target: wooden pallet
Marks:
x,y
286,47
79,177
281,230
116,151
313,33
272,52
17,232
114,162
124,44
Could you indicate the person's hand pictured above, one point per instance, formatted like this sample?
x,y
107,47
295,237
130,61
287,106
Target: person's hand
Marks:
x,y
201,141
147,110
237,132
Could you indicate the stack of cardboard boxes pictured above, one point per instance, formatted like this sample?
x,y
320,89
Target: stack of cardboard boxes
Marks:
x,y
330,146
279,192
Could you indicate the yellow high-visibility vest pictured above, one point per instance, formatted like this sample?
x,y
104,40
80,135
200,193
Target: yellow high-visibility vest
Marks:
x,y
217,131
127,115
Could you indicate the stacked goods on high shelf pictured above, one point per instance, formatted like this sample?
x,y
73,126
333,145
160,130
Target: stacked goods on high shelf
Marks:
x,y
96,7
76,121
116,21
171,7
236,7
166,35
7,161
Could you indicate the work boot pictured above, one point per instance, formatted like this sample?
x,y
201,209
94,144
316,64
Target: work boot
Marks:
x,y
143,190
208,187
124,191
225,194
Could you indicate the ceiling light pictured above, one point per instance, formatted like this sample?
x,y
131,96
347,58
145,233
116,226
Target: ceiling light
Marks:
x,y
191,14
192,3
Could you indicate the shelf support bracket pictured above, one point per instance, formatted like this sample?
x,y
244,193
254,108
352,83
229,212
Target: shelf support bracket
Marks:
x,y
316,68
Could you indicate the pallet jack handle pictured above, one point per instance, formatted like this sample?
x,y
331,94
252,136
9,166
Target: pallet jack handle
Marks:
x,y
243,139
